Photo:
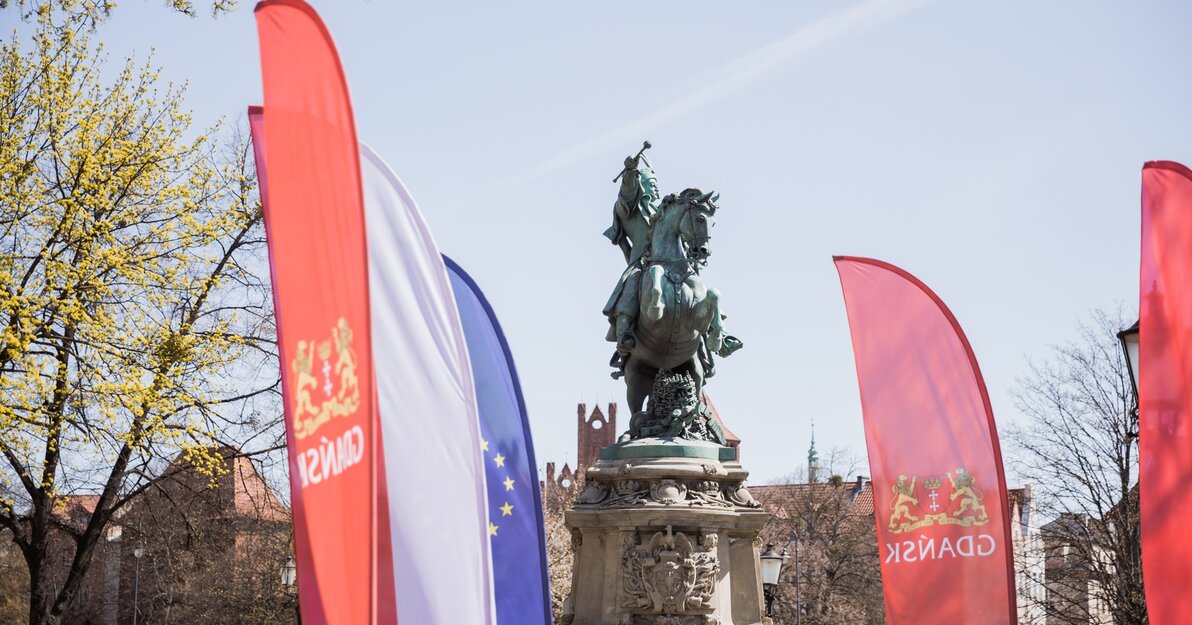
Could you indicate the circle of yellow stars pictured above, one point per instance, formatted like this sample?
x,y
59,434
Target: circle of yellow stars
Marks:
x,y
507,509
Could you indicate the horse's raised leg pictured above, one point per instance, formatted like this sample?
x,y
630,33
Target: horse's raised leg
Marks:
x,y
654,305
716,333
639,382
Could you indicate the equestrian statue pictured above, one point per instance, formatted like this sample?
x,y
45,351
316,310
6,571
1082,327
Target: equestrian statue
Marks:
x,y
666,323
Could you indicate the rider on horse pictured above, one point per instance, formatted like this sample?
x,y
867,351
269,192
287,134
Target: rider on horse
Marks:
x,y
637,205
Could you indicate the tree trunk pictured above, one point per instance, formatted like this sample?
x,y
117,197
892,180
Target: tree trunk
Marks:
x,y
41,596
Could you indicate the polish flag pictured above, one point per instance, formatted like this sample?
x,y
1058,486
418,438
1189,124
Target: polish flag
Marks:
x,y
386,473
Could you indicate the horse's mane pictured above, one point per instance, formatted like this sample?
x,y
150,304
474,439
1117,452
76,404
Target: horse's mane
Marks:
x,y
688,197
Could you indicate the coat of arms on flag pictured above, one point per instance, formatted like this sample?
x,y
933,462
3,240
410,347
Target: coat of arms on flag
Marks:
x,y
339,389
950,499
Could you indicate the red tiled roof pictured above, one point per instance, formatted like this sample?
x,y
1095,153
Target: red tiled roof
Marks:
x,y
253,497
863,504
733,439
86,503
773,497
75,509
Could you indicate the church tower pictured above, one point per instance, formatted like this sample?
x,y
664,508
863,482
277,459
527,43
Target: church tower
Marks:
x,y
594,433
812,459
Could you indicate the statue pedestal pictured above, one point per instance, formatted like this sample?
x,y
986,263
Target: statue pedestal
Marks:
x,y
665,534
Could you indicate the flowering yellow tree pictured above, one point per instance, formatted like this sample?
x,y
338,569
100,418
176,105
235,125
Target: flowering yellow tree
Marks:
x,y
94,11
133,323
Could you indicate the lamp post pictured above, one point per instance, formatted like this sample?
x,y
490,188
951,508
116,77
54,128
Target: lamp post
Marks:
x,y
1129,339
289,574
798,581
136,582
771,562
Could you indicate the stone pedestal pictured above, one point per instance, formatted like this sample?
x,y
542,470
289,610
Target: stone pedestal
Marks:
x,y
665,533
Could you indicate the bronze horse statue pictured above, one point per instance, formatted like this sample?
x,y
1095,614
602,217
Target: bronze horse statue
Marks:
x,y
675,310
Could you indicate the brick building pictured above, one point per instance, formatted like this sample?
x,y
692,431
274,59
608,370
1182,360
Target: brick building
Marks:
x,y
190,549
594,431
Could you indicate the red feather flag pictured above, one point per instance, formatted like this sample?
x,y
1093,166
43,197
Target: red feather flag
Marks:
x,y
319,262
1165,390
939,490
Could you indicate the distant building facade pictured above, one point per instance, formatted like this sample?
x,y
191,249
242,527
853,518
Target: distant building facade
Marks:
x,y
594,430
190,549
1074,596
1029,556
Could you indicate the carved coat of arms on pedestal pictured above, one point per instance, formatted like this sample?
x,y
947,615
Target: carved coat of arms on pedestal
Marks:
x,y
669,576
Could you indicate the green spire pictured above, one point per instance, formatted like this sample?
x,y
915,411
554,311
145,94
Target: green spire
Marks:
x,y
812,456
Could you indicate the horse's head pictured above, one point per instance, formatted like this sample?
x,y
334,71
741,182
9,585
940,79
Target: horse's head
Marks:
x,y
695,226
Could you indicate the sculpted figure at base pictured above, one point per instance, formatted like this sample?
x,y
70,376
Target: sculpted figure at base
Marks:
x,y
666,323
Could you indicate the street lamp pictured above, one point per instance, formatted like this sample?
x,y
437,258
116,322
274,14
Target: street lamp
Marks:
x,y
136,582
289,573
1129,339
771,562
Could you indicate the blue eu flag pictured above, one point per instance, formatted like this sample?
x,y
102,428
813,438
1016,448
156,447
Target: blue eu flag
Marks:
x,y
521,585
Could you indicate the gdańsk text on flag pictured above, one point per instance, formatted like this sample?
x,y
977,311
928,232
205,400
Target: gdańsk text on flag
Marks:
x,y
940,500
386,473
1165,390
319,265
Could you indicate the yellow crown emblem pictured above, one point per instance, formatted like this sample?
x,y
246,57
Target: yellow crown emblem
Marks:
x,y
338,394
949,500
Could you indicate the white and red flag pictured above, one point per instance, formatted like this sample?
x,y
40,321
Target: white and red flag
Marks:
x,y
438,503
386,470
1165,390
939,490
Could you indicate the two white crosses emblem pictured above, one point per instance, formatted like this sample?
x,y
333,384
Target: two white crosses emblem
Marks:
x,y
327,386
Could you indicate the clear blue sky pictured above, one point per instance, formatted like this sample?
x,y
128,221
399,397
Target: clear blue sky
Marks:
x,y
992,149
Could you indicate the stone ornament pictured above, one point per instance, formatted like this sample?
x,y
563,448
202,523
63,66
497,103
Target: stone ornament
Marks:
x,y
624,493
624,487
668,492
594,492
740,496
668,576
707,493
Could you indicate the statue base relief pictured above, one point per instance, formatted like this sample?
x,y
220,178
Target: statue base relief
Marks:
x,y
665,533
